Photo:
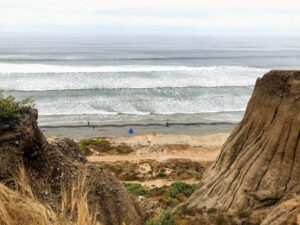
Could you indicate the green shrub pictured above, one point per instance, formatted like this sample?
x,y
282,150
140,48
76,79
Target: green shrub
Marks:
x,y
179,173
152,222
188,211
162,174
167,218
172,202
108,148
87,142
157,191
81,147
120,150
10,109
97,142
187,167
182,188
135,189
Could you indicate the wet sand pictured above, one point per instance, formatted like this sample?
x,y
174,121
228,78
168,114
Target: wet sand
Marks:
x,y
114,131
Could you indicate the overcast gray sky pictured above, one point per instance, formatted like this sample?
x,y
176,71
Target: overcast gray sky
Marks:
x,y
206,17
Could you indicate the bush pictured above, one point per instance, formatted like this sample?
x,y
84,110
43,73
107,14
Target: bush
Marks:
x,y
167,218
182,188
135,189
97,142
162,174
87,142
172,202
120,150
157,191
10,109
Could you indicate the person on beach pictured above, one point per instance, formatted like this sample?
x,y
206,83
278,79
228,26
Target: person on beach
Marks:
x,y
130,131
167,124
88,123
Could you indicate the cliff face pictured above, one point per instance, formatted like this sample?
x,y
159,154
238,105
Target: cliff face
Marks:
x,y
259,164
51,167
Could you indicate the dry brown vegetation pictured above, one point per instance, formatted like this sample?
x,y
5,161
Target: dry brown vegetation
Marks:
x,y
102,146
294,203
19,206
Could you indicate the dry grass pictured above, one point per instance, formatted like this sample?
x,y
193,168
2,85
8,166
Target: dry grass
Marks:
x,y
294,202
20,207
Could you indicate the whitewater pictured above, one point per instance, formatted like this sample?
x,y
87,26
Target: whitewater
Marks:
x,y
102,80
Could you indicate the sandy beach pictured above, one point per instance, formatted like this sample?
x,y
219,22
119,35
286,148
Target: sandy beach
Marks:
x,y
115,130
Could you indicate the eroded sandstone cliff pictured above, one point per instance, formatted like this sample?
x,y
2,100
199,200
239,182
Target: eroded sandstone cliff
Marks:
x,y
259,164
51,167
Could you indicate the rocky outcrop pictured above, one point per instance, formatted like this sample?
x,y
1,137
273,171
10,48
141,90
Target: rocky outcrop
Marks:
x,y
53,166
259,164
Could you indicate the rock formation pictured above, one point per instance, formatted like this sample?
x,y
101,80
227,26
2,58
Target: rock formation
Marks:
x,y
53,166
259,164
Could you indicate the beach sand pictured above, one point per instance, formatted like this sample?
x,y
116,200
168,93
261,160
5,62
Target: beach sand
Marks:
x,y
114,130
154,147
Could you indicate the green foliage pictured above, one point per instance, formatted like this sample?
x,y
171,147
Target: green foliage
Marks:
x,y
157,191
182,188
135,189
97,142
10,109
167,218
187,167
172,202
120,150
162,174
81,147
87,142
188,211
108,148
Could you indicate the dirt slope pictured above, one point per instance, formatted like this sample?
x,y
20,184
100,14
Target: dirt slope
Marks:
x,y
53,166
259,163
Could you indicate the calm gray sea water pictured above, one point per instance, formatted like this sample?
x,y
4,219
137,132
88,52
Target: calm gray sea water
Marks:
x,y
120,79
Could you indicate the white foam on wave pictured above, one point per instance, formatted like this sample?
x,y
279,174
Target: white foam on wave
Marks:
x,y
8,68
49,77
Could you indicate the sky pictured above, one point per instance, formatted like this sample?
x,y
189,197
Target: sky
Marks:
x,y
199,17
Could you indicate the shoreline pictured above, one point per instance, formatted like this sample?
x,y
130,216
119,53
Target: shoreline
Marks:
x,y
79,132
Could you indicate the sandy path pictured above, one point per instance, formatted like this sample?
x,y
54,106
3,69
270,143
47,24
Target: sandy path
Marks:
x,y
208,156
161,182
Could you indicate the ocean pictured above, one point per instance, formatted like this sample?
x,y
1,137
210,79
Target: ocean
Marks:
x,y
139,79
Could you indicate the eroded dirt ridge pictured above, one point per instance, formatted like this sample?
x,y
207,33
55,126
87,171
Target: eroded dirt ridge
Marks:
x,y
259,164
53,166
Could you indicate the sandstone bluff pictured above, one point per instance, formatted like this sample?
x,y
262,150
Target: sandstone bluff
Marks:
x,y
259,164
53,166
